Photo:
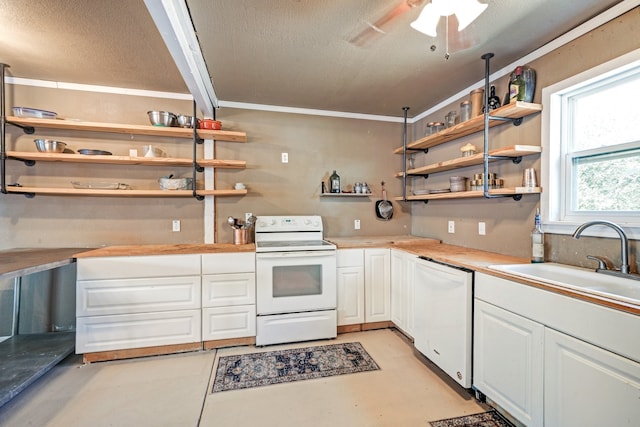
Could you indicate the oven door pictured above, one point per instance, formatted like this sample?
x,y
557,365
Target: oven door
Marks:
x,y
289,282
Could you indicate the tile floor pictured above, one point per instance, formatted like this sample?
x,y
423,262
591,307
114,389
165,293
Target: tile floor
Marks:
x,y
175,390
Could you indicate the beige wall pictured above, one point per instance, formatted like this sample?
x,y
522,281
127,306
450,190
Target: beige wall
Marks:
x,y
509,222
357,149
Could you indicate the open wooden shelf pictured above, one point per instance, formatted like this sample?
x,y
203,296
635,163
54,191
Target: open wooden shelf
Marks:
x,y
513,110
471,194
169,132
124,160
61,191
512,151
345,194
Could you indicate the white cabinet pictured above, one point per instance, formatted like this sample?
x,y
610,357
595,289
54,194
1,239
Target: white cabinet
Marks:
x,y
508,361
350,286
588,386
138,301
402,290
228,296
553,360
377,285
364,286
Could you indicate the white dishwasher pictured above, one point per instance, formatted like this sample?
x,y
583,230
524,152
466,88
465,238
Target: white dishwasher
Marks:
x,y
443,302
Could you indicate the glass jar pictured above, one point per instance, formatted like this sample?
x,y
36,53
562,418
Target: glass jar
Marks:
x,y
437,127
428,130
450,119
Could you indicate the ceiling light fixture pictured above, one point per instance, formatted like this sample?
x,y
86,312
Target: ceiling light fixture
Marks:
x,y
465,10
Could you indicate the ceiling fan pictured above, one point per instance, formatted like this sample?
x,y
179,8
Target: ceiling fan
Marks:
x,y
454,39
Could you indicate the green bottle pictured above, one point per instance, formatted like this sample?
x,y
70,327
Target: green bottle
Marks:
x,y
334,183
517,86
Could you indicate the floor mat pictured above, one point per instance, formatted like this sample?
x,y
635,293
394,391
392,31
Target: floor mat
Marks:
x,y
275,367
484,419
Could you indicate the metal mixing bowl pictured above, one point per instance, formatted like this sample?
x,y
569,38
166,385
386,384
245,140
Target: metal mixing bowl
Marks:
x,y
162,118
185,121
49,145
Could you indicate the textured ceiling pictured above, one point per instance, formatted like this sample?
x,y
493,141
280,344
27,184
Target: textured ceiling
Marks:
x,y
292,53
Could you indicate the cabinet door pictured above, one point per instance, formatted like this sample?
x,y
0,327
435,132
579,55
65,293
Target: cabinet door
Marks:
x,y
125,331
233,262
219,290
377,285
350,295
588,386
508,361
123,296
228,322
402,290
129,267
398,289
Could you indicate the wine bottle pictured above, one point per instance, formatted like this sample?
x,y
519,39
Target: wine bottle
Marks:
x,y
334,183
517,86
537,240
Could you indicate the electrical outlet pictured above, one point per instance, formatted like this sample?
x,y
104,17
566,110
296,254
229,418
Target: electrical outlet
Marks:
x,y
247,215
482,228
285,157
451,227
356,224
175,225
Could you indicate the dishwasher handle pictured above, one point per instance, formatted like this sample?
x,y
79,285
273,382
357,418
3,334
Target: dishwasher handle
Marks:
x,y
446,264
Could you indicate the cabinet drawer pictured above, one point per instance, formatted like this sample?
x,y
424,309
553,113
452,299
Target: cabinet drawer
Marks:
x,y
138,266
219,290
350,258
244,262
119,332
104,297
228,322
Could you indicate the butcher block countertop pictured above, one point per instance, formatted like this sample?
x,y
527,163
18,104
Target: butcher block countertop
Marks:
x,y
135,250
20,262
472,259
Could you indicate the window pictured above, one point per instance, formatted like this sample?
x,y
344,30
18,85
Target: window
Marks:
x,y
591,147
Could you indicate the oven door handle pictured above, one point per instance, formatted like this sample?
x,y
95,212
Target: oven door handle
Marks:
x,y
295,254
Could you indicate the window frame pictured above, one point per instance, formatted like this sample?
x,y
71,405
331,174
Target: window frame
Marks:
x,y
555,184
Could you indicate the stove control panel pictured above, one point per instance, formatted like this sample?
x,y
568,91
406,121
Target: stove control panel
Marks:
x,y
275,224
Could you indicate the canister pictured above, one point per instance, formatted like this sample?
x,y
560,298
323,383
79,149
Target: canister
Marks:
x,y
465,111
477,100
428,130
437,127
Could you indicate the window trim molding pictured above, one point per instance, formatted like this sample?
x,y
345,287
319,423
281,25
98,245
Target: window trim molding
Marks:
x,y
553,183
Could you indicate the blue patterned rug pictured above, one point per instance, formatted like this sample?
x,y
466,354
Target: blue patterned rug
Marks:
x,y
275,367
483,419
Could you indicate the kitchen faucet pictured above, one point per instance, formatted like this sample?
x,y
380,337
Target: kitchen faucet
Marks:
x,y
624,244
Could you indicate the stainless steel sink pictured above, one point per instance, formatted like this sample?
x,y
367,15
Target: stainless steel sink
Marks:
x,y
580,279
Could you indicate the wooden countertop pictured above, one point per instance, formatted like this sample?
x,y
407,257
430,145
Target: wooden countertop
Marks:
x,y
473,259
20,262
134,250
379,241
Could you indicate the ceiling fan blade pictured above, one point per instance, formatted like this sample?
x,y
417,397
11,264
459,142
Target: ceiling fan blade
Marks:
x,y
373,30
